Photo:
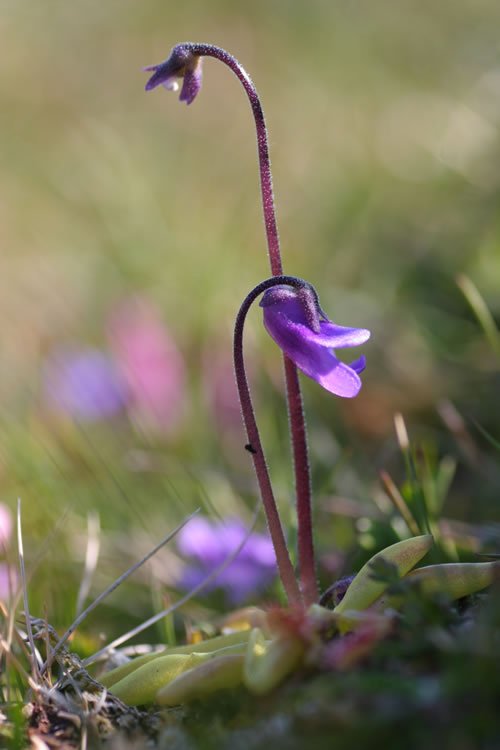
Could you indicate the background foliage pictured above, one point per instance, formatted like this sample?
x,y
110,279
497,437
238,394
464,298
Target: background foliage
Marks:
x,y
384,122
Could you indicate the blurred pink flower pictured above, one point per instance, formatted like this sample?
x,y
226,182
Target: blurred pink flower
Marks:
x,y
8,581
221,394
8,575
150,364
5,525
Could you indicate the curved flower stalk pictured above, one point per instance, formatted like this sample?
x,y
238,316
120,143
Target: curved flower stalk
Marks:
x,y
185,63
295,319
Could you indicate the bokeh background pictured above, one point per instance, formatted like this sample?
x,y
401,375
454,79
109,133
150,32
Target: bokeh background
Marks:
x,y
130,231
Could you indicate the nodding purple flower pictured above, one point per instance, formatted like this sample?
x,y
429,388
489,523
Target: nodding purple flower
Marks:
x,y
309,340
180,64
208,543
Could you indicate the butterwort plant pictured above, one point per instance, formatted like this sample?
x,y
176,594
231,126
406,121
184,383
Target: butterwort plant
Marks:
x,y
262,651
306,342
295,320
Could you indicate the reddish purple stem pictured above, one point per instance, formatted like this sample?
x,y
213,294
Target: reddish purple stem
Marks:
x,y
254,443
293,392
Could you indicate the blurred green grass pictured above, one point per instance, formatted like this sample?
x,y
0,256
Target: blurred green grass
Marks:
x,y
384,132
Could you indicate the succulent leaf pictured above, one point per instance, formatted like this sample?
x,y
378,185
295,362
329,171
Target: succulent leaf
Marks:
x,y
363,590
456,579
219,673
267,663
108,679
141,686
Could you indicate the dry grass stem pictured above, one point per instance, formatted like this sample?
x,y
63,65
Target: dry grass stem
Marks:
x,y
179,603
91,558
111,588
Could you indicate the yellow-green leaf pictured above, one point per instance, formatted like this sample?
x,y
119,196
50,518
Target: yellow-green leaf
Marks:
x,y
141,686
364,590
108,679
216,674
267,663
456,579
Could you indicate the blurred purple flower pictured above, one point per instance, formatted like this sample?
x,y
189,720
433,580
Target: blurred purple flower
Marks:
x,y
180,64
209,543
84,384
287,322
149,362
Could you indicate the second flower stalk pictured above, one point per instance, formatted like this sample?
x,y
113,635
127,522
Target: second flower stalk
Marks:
x,y
293,318
296,322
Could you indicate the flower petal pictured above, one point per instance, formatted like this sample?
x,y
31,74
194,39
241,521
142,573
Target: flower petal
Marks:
x,y
180,64
341,380
314,360
171,84
359,364
162,75
286,309
339,336
192,82
312,351
331,336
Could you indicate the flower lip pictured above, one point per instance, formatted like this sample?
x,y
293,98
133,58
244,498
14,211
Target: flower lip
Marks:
x,y
287,320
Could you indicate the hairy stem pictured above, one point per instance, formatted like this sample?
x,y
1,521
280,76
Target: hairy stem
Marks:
x,y
293,393
254,443
209,50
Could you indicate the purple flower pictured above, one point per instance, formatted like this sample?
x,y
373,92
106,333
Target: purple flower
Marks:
x,y
210,543
309,341
180,64
84,384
